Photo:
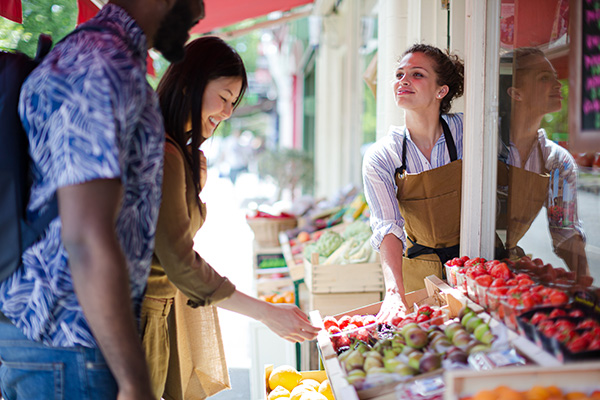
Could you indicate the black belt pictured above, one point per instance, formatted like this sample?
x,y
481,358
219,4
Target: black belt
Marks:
x,y
444,254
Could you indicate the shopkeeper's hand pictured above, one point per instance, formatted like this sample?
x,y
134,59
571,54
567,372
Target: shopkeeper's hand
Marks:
x,y
393,304
203,169
289,322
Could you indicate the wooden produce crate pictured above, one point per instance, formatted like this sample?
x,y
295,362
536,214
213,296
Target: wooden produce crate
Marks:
x,y
296,270
345,278
318,376
571,377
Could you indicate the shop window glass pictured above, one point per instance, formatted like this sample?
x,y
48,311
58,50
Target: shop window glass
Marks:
x,y
548,196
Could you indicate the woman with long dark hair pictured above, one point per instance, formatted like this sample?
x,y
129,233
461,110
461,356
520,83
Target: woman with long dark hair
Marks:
x,y
195,96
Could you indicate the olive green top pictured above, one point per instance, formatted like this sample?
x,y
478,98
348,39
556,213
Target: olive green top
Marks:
x,y
175,264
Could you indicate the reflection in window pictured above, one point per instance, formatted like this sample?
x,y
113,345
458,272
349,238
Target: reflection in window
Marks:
x,y
544,209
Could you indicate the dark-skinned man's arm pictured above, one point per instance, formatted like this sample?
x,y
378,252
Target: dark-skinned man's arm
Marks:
x,y
88,212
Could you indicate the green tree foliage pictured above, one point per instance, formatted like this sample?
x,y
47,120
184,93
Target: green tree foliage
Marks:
x,y
53,17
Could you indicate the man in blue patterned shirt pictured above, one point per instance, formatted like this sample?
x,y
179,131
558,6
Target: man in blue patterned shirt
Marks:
x,y
96,139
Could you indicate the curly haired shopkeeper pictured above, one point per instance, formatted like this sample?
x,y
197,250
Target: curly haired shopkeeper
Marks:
x,y
412,176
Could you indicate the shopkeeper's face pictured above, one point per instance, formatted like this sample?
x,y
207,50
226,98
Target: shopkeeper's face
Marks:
x,y
537,89
218,101
415,84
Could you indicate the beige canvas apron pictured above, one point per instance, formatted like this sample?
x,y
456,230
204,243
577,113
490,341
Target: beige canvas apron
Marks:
x,y
527,191
430,205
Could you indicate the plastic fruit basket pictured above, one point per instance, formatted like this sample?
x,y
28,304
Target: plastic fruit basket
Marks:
x,y
452,274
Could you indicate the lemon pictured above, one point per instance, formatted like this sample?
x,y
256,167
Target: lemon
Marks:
x,y
310,395
285,376
299,390
279,393
325,389
310,382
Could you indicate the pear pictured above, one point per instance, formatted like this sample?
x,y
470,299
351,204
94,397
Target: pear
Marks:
x,y
451,329
413,360
356,377
372,362
458,356
479,347
487,337
354,360
373,353
416,337
480,330
390,353
377,370
464,320
390,364
430,362
404,370
461,339
473,323
408,326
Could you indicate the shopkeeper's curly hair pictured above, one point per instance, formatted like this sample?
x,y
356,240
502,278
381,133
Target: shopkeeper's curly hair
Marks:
x,y
181,89
449,69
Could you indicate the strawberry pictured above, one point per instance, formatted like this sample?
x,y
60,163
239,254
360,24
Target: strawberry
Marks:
x,y
330,321
344,321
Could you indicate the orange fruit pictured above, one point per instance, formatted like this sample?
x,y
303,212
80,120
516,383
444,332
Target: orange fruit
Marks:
x,y
576,396
484,395
554,391
537,392
289,297
506,393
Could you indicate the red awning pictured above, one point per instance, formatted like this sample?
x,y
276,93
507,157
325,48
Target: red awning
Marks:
x,y
13,10
221,13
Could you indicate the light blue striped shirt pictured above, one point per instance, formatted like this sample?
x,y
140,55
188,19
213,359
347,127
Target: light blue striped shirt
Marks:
x,y
379,165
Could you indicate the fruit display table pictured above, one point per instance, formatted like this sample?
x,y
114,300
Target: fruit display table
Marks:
x,y
472,340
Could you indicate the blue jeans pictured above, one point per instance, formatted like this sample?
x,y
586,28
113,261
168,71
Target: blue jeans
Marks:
x,y
33,371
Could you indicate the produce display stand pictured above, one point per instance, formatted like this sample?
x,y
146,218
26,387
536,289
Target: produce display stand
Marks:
x,y
437,293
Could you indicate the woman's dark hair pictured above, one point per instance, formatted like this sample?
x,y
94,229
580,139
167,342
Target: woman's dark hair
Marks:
x,y
449,69
182,87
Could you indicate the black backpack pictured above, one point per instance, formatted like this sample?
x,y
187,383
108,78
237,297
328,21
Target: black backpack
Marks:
x,y
17,233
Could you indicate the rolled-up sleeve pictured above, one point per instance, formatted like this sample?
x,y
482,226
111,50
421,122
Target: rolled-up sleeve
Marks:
x,y
175,233
378,170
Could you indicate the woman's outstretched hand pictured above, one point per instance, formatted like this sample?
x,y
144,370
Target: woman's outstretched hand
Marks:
x,y
289,322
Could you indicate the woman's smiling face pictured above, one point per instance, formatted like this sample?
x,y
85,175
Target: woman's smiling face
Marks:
x,y
415,84
218,100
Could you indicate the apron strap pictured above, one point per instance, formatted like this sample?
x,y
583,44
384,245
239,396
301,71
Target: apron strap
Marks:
x,y
449,140
449,144
444,254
